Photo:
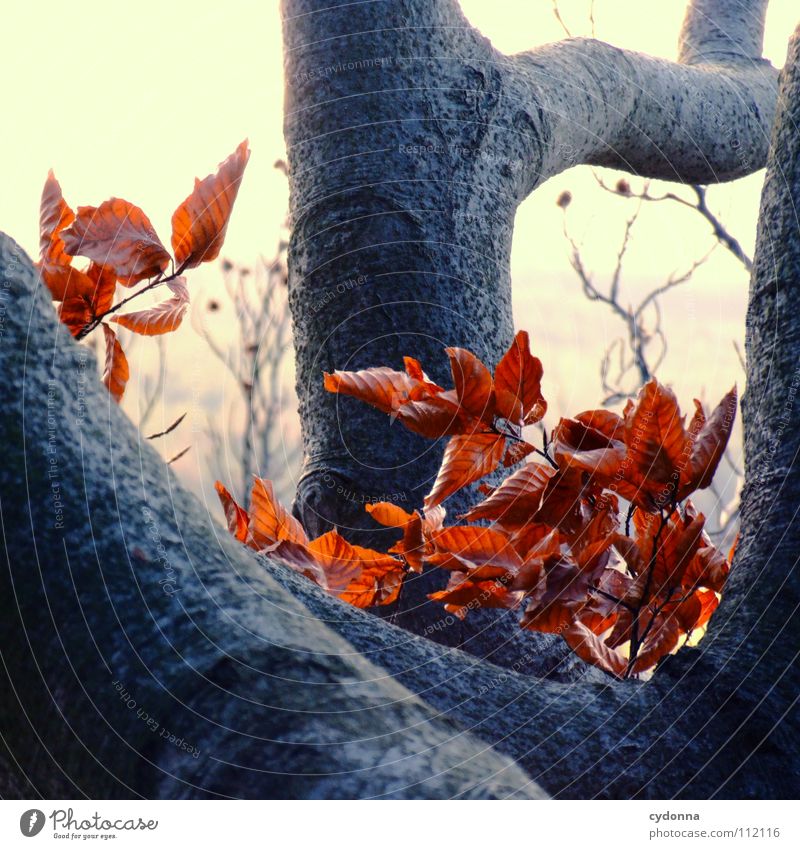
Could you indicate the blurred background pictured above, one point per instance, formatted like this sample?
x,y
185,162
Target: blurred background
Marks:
x,y
614,278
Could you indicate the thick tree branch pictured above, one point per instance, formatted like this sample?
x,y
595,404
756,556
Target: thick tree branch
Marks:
x,y
704,119
142,651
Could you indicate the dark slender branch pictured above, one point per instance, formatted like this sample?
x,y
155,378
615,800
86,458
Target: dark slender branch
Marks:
x,y
636,639
95,322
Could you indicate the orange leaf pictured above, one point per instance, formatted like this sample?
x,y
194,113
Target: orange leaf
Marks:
x,y
517,383
76,313
516,500
116,373
104,288
54,262
467,458
343,562
582,447
162,318
710,442
662,640
200,222
473,384
412,545
383,388
655,434
379,583
270,522
235,515
472,549
462,595
54,216
118,235
438,415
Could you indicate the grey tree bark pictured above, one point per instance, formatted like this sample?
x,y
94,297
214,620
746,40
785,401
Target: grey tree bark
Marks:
x,y
411,143
135,635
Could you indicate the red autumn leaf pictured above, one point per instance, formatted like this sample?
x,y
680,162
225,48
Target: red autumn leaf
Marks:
x,y
414,370
54,216
583,447
461,595
200,222
438,415
480,552
117,235
608,423
116,372
161,318
467,458
379,582
709,568
270,522
590,648
54,264
710,442
515,502
75,313
343,562
517,384
412,545
655,435
104,282
473,384
235,515
298,557
663,639
383,388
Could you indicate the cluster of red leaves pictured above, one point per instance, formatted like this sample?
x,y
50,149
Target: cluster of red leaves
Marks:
x,y
123,248
482,415
360,576
556,550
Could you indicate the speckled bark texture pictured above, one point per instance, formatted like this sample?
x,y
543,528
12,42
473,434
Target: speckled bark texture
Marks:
x,y
411,143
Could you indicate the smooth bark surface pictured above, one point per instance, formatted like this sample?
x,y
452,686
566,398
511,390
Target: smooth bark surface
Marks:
x,y
411,143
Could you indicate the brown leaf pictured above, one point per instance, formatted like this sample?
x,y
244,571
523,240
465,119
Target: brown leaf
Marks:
x,y
473,384
200,222
119,236
515,502
116,372
591,649
343,562
54,216
270,522
379,582
161,318
412,546
467,458
463,595
104,287
235,515
383,388
472,549
75,313
169,430
655,435
517,384
710,443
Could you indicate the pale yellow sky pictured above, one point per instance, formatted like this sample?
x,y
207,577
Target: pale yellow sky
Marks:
x,y
135,100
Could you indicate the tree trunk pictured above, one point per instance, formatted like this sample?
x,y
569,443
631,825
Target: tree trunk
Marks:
x,y
411,143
